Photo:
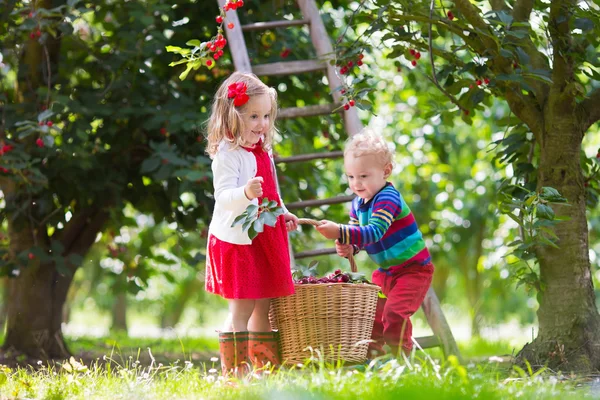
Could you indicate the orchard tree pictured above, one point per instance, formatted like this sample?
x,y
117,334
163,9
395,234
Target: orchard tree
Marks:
x,y
92,120
541,58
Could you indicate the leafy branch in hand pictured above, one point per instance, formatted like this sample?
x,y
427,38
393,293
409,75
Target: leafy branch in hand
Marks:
x,y
255,217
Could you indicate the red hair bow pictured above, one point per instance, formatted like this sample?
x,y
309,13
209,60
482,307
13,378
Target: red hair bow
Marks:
x,y
237,92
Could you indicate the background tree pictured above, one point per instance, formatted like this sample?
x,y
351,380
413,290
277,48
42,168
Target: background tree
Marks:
x,y
541,58
93,119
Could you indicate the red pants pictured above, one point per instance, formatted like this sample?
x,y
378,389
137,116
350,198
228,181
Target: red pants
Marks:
x,y
405,289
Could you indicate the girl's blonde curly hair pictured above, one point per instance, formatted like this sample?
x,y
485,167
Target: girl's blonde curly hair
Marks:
x,y
225,122
369,142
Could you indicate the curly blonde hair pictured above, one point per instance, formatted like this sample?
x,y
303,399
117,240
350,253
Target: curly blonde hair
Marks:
x,y
368,142
225,122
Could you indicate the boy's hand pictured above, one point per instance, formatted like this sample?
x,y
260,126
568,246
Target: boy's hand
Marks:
x,y
344,250
329,229
291,222
253,188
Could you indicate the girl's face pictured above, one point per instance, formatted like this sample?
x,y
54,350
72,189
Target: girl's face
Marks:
x,y
256,117
366,174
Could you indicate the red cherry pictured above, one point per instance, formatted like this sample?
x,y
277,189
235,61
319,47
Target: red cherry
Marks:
x,y
350,64
412,52
346,106
39,142
240,3
337,271
351,102
230,25
417,55
41,123
486,81
30,15
32,35
414,63
478,82
450,15
343,91
49,123
219,19
209,63
361,56
163,131
359,63
38,33
31,256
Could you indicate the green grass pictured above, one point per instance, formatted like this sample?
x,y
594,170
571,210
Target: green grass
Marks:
x,y
133,368
122,347
392,379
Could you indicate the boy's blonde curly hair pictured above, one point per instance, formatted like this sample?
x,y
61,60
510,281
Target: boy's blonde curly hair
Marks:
x,y
368,142
225,122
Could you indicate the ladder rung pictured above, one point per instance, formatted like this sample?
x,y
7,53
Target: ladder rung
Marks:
x,y
312,253
289,67
428,342
259,26
310,156
308,111
318,203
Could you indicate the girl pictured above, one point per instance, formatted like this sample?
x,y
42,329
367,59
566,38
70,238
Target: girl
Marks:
x,y
248,273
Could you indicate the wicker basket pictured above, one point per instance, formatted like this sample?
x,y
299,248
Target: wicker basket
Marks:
x,y
330,321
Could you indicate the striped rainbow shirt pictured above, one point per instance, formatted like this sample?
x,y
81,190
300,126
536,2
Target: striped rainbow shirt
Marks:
x,y
386,228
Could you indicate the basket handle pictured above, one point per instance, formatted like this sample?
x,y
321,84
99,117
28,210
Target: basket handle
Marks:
x,y
314,222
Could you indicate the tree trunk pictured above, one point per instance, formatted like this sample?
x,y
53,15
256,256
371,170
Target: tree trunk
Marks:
x,y
35,312
569,323
119,313
4,283
173,311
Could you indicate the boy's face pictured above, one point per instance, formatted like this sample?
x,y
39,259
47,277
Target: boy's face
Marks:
x,y
256,119
367,175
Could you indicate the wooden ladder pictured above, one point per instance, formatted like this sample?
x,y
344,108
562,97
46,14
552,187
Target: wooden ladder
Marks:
x,y
442,335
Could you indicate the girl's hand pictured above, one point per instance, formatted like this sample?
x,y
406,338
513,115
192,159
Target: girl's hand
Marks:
x,y
291,222
253,188
344,250
329,229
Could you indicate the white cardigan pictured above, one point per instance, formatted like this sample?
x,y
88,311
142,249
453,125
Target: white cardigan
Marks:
x,y
232,169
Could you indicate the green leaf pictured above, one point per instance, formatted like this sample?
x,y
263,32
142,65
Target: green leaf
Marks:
x,y
193,42
239,219
259,225
185,73
544,211
44,115
150,164
524,58
269,218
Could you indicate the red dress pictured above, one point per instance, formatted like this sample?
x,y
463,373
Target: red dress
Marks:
x,y
259,270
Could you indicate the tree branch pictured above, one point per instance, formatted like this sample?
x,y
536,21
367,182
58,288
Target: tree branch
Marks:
x,y
522,10
562,72
525,110
473,15
591,107
498,5
474,42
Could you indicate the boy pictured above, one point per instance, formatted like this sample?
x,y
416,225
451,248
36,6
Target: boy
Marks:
x,y
383,225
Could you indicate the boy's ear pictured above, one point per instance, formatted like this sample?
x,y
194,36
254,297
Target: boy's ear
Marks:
x,y
387,170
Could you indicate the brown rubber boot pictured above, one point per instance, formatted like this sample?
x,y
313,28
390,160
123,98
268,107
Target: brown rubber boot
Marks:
x,y
263,349
234,353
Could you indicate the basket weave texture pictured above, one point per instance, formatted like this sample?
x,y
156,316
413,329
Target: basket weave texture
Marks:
x,y
330,321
